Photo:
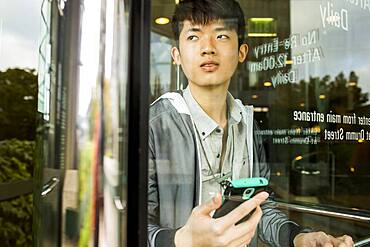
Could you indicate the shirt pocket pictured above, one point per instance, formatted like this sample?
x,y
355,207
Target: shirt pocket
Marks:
x,y
241,167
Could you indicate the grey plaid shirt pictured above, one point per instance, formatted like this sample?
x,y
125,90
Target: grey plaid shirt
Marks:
x,y
210,145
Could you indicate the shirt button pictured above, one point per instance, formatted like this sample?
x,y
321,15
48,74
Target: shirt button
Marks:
x,y
218,130
203,133
218,156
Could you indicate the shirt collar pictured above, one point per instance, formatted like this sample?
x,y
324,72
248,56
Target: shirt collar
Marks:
x,y
205,124
235,113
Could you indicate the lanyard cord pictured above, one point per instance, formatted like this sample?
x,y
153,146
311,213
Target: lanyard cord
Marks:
x,y
218,177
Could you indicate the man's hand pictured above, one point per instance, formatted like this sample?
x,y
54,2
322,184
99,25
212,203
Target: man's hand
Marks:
x,y
321,239
202,230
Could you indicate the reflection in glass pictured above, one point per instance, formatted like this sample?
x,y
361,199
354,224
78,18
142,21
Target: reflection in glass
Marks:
x,y
19,33
307,77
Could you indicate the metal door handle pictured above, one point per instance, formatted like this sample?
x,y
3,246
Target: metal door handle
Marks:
x,y
120,206
362,242
49,186
356,215
330,211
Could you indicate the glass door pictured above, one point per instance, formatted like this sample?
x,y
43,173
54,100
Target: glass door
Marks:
x,y
306,77
56,177
91,165
19,34
125,113
310,95
116,119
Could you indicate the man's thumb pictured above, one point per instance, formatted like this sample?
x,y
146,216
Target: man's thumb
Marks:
x,y
211,205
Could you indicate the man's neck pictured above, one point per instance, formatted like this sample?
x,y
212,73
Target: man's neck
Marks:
x,y
212,100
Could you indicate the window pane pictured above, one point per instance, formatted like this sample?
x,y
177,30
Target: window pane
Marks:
x,y
19,38
306,77
114,224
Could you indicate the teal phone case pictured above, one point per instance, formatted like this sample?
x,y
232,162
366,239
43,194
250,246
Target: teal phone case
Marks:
x,y
239,191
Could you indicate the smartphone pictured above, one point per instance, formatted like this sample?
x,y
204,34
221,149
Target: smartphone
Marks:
x,y
238,191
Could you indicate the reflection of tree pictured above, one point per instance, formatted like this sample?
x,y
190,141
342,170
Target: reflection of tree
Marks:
x,y
18,104
157,90
318,94
346,93
16,163
339,95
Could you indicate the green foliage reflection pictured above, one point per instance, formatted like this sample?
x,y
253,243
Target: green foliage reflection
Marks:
x,y
16,163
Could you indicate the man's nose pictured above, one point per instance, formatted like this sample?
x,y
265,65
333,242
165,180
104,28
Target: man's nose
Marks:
x,y
208,47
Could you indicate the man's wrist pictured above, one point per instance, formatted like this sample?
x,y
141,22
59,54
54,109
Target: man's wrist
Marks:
x,y
183,237
177,239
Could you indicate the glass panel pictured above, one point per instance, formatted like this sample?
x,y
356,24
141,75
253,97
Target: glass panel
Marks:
x,y
19,38
84,68
55,174
311,98
89,128
113,227
70,128
306,77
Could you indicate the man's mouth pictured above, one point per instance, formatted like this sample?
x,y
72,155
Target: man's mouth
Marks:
x,y
209,66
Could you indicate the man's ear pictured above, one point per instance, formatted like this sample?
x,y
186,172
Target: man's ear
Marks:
x,y
243,52
175,53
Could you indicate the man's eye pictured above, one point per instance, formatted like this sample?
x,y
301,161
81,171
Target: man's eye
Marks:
x,y
192,37
222,36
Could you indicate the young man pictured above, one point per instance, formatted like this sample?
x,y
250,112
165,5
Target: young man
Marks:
x,y
202,135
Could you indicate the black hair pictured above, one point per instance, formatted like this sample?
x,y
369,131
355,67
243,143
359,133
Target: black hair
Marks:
x,y
202,12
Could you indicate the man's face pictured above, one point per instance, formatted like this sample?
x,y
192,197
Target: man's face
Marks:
x,y
208,54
